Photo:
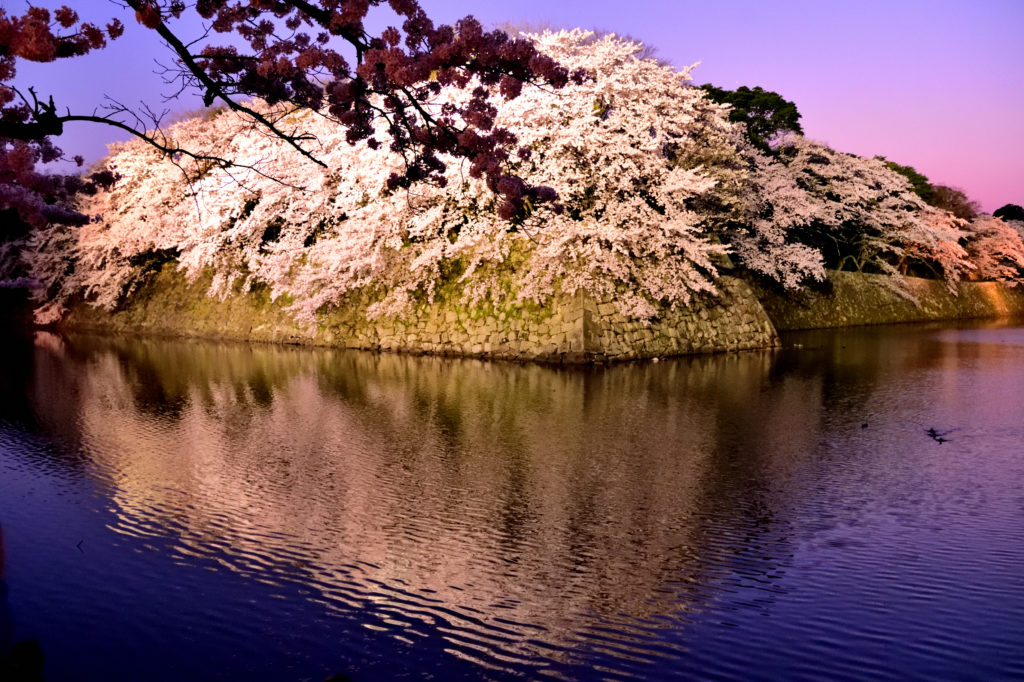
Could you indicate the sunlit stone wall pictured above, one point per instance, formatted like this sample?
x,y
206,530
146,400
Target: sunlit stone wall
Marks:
x,y
572,329
850,298
733,321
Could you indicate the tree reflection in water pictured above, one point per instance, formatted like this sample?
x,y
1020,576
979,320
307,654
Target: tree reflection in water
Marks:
x,y
520,507
538,519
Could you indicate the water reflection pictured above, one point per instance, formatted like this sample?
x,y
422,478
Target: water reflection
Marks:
x,y
518,508
6,619
19,661
532,518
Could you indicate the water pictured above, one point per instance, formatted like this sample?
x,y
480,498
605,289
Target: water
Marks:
x,y
850,507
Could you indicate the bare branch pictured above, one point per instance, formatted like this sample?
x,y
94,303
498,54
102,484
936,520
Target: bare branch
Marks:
x,y
214,91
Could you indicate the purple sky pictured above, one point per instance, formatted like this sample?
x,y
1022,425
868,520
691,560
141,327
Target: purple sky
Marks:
x,y
936,84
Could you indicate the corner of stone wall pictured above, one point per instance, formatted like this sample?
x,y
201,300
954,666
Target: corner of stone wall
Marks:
x,y
732,321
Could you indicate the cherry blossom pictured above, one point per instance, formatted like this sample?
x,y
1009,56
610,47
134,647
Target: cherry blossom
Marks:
x,y
996,247
629,184
621,227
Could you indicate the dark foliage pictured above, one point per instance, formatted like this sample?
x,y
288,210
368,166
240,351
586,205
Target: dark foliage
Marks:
x,y
955,201
950,199
918,181
1010,212
766,114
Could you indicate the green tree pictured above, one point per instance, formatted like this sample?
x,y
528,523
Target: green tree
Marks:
x,y
918,181
765,114
948,198
1010,212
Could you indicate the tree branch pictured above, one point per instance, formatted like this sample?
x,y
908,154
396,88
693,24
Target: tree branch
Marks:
x,y
215,91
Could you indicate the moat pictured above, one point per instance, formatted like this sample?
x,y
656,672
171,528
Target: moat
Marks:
x,y
850,506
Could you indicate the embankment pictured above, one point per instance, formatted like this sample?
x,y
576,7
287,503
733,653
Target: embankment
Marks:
x,y
572,329
850,299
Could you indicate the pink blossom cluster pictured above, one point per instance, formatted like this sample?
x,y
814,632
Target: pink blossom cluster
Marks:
x,y
30,197
865,215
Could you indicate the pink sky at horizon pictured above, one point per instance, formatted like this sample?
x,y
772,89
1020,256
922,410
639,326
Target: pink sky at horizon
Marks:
x,y
937,84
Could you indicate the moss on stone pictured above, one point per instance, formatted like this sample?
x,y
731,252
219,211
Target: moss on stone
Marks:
x,y
568,329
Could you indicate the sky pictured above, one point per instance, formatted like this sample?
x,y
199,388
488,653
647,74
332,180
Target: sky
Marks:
x,y
935,84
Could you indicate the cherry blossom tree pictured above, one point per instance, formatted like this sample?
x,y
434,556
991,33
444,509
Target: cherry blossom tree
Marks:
x,y
292,54
622,225
755,207
654,186
996,248
868,217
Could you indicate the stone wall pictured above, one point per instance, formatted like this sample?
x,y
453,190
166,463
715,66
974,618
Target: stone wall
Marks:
x,y
733,321
850,298
572,329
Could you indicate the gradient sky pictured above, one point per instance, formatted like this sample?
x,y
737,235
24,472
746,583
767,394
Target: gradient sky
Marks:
x,y
936,84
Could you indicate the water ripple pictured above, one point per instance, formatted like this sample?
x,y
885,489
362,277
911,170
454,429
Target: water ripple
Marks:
x,y
287,514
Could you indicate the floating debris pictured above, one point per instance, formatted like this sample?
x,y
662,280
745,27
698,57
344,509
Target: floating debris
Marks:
x,y
937,436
